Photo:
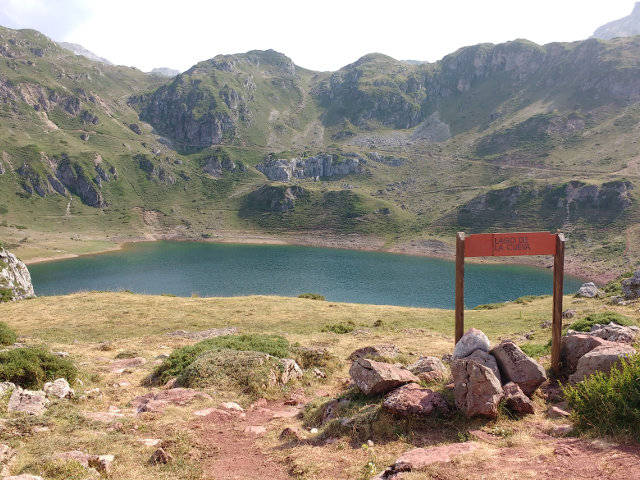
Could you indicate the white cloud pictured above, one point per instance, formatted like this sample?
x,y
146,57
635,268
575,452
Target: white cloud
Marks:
x,y
320,35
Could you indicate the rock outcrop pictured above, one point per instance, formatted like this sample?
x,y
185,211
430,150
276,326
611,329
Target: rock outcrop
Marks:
x,y
616,333
628,26
631,287
316,167
589,290
373,377
420,458
15,280
275,198
477,391
28,401
376,352
517,367
573,347
59,388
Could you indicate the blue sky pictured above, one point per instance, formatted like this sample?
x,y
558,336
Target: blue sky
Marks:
x,y
317,35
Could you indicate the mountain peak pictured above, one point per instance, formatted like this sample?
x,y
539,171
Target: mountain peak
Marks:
x,y
628,26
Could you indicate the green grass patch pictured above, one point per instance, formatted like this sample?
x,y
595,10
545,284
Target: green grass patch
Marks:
x,y
340,327
181,358
32,367
536,349
5,295
7,336
489,306
602,318
608,404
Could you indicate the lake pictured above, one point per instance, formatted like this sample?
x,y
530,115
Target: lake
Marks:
x,y
210,269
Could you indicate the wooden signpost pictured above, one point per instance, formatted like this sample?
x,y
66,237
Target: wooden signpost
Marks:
x,y
511,244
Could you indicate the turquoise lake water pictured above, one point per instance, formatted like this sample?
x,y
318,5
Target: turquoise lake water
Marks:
x,y
209,269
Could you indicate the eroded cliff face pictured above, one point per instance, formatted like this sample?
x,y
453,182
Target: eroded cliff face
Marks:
x,y
15,280
319,166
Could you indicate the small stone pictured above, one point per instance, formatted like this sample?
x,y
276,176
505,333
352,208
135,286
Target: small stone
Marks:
x,y
28,401
319,373
421,458
290,370
149,442
516,401
160,457
293,434
61,354
313,431
561,430
557,412
471,341
255,430
59,388
232,406
567,314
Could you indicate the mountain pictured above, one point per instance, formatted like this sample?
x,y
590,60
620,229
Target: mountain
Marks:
x,y
508,136
165,72
625,27
80,50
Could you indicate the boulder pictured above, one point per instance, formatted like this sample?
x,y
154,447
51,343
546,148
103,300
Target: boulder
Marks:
x,y
486,359
412,399
102,463
14,277
589,290
373,377
567,314
158,401
6,387
600,359
516,401
616,333
517,367
471,341
432,366
290,370
119,366
631,286
59,388
375,352
477,390
160,457
575,346
28,401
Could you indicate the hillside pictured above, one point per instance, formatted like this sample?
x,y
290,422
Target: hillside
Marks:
x,y
623,27
382,152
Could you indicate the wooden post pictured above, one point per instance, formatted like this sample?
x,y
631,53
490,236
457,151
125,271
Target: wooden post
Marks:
x,y
459,285
558,283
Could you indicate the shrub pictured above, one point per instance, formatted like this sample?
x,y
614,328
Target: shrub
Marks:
x,y
312,296
230,370
181,358
489,306
340,328
7,336
603,318
126,354
608,403
32,367
5,295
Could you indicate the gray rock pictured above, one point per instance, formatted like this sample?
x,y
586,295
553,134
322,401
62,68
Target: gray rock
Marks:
x,y
290,370
616,333
589,290
477,391
517,367
412,399
421,458
567,314
471,341
601,359
6,387
28,401
574,346
59,388
14,276
429,365
516,400
375,352
631,287
487,360
373,377
319,166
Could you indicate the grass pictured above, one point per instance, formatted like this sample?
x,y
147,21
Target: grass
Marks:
x,y
312,296
7,335
609,404
32,367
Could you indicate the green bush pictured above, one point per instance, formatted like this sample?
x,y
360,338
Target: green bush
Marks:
x,y
181,358
608,404
232,370
603,318
7,336
32,367
489,306
126,354
312,296
5,295
340,328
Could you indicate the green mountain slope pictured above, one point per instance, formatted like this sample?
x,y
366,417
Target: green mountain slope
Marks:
x,y
509,136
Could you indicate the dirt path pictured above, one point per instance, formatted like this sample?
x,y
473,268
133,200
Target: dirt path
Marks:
x,y
231,440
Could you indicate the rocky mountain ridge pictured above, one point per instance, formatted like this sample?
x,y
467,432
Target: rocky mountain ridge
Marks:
x,y
624,27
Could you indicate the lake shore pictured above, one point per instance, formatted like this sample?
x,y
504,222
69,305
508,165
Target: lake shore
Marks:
x,y
432,247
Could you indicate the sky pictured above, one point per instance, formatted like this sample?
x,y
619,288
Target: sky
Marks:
x,y
323,35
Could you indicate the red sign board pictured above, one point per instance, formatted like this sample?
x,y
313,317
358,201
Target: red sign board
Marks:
x,y
509,244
